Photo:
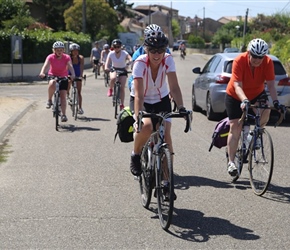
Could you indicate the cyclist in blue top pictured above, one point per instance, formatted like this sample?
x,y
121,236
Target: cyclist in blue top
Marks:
x,y
78,65
140,51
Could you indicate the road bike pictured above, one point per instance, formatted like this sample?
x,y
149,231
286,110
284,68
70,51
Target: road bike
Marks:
x,y
117,90
157,166
56,99
255,147
182,54
97,69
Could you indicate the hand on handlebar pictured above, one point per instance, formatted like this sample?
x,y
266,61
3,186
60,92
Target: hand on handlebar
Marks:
x,y
281,108
245,104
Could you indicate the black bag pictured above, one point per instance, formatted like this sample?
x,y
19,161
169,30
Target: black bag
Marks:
x,y
220,134
125,123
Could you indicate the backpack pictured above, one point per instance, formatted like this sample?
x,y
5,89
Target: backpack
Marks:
x,y
125,123
220,134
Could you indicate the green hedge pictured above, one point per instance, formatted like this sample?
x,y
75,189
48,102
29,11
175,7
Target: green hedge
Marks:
x,y
37,44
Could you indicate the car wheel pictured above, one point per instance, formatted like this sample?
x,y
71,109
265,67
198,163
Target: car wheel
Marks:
x,y
210,114
194,106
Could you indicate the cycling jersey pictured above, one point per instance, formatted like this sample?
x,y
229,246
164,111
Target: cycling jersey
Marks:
x,y
253,83
58,67
153,91
120,62
140,51
77,68
96,53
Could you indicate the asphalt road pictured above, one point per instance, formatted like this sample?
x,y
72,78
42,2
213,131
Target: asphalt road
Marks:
x,y
73,189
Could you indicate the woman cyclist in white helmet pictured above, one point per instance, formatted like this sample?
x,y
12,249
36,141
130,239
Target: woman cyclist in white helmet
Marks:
x,y
150,90
58,63
104,54
78,64
250,71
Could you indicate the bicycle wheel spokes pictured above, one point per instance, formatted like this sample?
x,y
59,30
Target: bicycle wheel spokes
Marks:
x,y
117,100
261,163
146,179
76,104
56,110
165,188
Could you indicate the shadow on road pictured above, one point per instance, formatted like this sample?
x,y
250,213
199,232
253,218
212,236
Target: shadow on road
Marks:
x,y
192,225
92,119
278,193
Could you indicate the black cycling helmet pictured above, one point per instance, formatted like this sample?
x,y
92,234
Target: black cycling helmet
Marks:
x,y
156,39
116,42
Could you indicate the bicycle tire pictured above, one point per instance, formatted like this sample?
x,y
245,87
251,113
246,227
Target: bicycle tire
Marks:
x,y
261,164
146,179
72,102
165,197
76,103
239,159
96,73
117,99
56,110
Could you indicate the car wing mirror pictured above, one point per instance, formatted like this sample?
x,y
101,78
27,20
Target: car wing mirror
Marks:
x,y
196,70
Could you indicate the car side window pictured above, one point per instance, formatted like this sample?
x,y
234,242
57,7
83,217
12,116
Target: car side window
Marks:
x,y
214,65
279,69
208,67
228,67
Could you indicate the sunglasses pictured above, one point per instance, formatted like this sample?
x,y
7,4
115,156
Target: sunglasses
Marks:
x,y
159,51
117,47
256,57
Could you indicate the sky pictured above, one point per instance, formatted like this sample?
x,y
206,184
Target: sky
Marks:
x,y
216,9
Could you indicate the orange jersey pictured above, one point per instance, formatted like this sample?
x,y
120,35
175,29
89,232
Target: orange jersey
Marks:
x,y
253,83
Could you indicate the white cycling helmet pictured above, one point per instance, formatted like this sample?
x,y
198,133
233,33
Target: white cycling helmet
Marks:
x,y
152,28
74,46
258,47
58,44
106,46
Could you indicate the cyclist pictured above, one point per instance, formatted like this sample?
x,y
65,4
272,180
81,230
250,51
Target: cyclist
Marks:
x,y
104,54
140,50
150,91
78,65
118,59
95,57
58,63
182,49
251,70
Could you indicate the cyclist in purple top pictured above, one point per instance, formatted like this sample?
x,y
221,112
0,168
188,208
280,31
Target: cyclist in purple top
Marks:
x,y
58,63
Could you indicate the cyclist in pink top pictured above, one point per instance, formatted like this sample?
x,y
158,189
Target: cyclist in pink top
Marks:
x,y
59,63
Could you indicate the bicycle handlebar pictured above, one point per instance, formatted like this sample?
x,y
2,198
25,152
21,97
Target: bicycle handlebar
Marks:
x,y
186,114
246,110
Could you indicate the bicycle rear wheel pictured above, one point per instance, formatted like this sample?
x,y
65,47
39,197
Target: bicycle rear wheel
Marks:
x,y
165,188
146,179
261,164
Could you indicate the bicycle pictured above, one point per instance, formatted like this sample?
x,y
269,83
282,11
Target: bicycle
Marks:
x,y
182,54
106,79
255,147
117,90
56,99
157,167
97,69
74,99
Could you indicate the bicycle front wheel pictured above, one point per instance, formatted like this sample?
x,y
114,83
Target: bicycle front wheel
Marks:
x,y
146,179
76,104
164,187
117,102
261,164
56,110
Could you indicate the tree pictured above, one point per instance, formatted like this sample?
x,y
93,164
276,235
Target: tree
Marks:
x,y
97,25
175,28
14,13
54,12
121,6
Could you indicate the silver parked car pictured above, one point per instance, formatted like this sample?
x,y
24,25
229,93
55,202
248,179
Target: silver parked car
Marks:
x,y
209,88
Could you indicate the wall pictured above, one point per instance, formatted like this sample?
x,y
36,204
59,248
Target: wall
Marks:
x,y
30,71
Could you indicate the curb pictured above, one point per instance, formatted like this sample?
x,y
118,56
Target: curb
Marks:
x,y
9,124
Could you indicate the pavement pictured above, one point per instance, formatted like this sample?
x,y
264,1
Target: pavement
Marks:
x,y
12,109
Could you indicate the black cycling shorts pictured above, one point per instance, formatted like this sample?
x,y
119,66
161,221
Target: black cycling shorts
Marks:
x,y
233,106
96,61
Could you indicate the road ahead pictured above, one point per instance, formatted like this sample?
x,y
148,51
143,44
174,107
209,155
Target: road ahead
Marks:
x,y
73,189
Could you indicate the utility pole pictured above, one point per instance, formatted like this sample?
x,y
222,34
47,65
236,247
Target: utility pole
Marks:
x,y
84,16
244,31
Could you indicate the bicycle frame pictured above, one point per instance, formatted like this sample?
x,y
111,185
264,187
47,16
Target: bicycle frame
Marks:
x,y
117,90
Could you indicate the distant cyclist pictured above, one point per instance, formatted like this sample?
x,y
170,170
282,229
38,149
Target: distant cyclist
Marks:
x,y
95,57
104,54
119,59
58,63
140,50
182,49
78,64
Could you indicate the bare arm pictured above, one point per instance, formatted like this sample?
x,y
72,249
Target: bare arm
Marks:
x,y
239,91
82,63
272,89
139,95
44,69
71,69
175,91
108,63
